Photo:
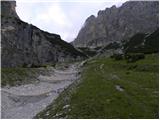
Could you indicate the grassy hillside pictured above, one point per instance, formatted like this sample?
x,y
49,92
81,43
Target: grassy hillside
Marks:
x,y
25,75
18,76
111,89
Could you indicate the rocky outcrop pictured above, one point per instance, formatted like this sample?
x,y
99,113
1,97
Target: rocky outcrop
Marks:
x,y
116,24
26,45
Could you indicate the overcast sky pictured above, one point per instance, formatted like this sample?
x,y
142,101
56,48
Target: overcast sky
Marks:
x,y
63,17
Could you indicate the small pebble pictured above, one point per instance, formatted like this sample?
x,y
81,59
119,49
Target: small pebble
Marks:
x,y
119,88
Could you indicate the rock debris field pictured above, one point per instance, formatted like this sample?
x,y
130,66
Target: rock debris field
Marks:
x,y
27,100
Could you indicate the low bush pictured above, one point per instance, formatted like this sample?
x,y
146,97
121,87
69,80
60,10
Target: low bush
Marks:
x,y
134,57
117,56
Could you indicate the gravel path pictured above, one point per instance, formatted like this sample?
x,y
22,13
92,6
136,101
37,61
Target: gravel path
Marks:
x,y
25,101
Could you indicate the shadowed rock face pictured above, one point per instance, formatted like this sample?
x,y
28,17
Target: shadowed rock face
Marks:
x,y
26,45
116,24
8,9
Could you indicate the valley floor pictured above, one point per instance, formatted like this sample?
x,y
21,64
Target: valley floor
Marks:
x,y
111,89
26,100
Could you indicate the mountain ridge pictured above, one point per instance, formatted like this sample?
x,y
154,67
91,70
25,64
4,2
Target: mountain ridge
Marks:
x,y
115,24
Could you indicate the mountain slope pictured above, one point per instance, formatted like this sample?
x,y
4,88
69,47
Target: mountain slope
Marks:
x,y
26,45
111,89
116,24
142,43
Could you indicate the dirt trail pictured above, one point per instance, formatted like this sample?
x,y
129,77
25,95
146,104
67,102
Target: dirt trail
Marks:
x,y
26,101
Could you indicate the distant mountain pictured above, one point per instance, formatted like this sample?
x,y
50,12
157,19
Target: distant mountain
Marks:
x,y
116,24
26,45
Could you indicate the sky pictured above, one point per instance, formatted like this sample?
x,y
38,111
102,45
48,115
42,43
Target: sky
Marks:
x,y
63,17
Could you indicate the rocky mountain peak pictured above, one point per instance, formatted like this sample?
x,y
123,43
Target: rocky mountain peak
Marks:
x,y
116,24
90,19
113,7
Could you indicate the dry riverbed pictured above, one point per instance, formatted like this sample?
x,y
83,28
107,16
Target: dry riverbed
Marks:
x,y
25,101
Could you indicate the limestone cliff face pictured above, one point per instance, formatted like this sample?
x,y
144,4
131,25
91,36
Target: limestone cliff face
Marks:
x,y
26,45
116,24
